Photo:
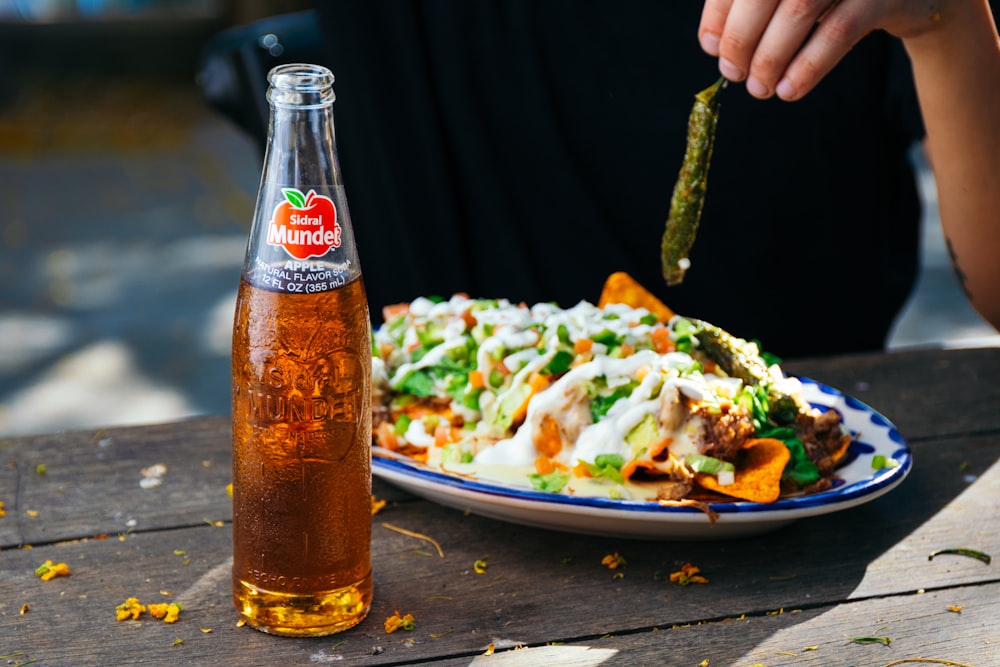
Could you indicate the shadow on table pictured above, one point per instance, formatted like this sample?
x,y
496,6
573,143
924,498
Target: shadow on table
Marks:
x,y
809,567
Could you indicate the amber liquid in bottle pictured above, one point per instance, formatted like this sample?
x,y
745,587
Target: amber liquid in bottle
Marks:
x,y
301,460
301,382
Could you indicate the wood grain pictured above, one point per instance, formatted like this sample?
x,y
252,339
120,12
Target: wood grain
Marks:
x,y
926,393
863,571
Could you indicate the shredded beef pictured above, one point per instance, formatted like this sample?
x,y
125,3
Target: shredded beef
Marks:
x,y
725,431
673,490
823,438
380,414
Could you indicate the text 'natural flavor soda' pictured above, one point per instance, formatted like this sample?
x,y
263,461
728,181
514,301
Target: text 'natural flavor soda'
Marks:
x,y
301,383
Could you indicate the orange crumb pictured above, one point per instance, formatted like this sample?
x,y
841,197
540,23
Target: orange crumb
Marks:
x,y
396,622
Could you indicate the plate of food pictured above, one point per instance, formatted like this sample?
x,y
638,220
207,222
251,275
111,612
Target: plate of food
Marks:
x,y
619,418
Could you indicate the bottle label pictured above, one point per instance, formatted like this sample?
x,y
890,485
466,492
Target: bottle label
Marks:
x,y
305,225
303,242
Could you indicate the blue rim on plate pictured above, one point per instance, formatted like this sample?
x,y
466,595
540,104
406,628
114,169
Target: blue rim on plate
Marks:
x,y
857,483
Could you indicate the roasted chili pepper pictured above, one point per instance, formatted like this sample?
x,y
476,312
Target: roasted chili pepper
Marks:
x,y
739,358
688,198
742,359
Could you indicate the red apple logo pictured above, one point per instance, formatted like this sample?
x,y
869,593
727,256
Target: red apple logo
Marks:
x,y
304,225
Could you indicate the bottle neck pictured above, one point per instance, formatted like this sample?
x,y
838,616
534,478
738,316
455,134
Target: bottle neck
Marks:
x,y
302,240
302,147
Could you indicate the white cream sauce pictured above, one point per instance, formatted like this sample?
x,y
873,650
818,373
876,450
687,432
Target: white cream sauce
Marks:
x,y
519,342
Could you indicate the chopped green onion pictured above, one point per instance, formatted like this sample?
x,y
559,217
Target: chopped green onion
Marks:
x,y
562,334
454,453
608,466
613,460
471,399
496,378
550,483
559,363
708,465
684,326
606,337
880,461
418,383
600,404
402,423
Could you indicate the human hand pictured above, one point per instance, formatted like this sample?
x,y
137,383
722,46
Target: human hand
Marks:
x,y
773,46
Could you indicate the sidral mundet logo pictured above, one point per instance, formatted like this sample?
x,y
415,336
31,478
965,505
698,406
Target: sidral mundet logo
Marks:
x,y
305,225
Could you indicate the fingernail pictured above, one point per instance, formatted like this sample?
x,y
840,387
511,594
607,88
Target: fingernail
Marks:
x,y
756,88
785,90
710,43
730,71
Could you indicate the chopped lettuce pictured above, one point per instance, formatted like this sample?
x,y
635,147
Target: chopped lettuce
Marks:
x,y
550,483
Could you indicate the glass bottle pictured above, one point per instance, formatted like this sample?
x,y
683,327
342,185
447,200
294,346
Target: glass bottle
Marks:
x,y
301,369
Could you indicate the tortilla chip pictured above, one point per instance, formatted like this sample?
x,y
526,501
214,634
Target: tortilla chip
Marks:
x,y
758,472
620,287
841,451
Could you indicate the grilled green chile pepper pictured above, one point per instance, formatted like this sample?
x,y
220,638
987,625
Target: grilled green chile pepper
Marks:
x,y
688,198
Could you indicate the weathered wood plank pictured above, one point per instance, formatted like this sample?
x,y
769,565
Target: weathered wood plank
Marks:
x,y
93,481
91,489
459,613
916,625
923,392
539,586
842,571
971,520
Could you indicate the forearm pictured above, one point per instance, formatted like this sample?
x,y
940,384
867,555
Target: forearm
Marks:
x,y
957,72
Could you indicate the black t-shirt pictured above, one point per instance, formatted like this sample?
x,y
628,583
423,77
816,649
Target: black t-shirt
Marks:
x,y
527,149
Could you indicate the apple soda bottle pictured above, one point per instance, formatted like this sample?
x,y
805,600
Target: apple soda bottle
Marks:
x,y
301,383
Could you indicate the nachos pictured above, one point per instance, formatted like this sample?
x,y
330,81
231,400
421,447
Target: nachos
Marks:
x,y
622,399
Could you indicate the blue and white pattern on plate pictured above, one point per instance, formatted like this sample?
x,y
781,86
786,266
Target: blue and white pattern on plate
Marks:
x,y
857,483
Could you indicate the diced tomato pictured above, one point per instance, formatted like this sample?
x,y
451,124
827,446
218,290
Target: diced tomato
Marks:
x,y
385,436
445,433
544,465
661,340
537,382
469,319
547,439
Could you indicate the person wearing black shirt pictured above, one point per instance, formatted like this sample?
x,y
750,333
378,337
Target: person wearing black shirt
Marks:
x,y
527,149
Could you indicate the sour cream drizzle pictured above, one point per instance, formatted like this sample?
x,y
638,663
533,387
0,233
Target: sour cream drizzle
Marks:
x,y
518,342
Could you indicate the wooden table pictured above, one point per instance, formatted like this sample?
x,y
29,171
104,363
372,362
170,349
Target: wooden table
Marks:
x,y
793,597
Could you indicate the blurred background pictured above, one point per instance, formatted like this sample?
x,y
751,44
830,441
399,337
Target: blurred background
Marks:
x,y
126,199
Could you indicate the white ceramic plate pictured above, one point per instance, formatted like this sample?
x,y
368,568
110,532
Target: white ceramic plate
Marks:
x,y
858,483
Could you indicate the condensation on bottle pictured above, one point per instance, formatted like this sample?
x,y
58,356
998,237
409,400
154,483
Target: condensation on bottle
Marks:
x,y
301,382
